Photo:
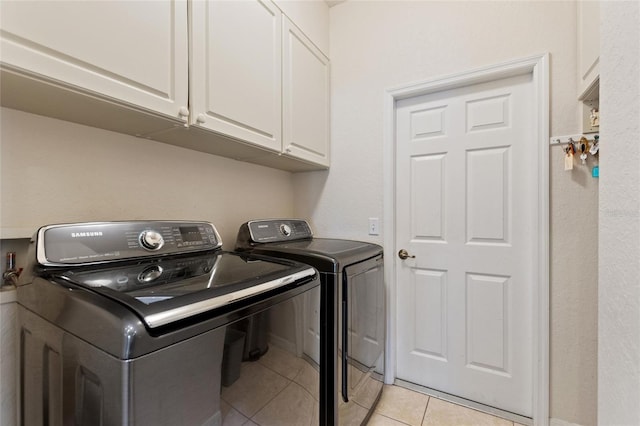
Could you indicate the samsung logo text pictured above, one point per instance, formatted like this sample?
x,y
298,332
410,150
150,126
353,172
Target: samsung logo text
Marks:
x,y
86,234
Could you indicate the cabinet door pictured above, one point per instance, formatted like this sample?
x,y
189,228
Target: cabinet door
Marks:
x,y
236,70
588,46
305,98
132,51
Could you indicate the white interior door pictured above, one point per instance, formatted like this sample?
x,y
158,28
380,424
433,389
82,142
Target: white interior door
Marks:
x,y
466,208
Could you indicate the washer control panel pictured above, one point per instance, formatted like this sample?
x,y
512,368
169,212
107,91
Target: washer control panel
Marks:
x,y
272,230
89,243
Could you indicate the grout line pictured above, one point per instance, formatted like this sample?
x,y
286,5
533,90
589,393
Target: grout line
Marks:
x,y
391,418
268,367
269,401
424,416
300,385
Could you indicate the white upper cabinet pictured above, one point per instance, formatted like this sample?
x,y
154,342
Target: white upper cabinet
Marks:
x,y
236,67
588,47
134,52
306,98
231,78
257,78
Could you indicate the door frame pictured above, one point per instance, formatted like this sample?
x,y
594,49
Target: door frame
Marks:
x,y
538,66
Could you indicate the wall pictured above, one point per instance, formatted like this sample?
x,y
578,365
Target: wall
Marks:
x,y
380,45
619,285
54,171
312,17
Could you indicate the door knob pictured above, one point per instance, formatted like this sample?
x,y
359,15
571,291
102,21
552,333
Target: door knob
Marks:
x,y
403,254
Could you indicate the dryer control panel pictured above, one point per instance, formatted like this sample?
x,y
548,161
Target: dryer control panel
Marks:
x,y
275,230
99,242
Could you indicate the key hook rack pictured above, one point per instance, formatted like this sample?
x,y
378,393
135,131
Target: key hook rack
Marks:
x,y
579,146
574,139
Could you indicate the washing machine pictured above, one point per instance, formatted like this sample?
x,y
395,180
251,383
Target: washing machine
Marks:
x,y
133,323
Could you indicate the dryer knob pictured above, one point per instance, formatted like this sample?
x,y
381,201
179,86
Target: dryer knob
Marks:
x,y
285,229
151,240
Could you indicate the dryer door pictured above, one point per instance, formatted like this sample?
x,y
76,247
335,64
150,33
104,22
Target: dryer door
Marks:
x,y
362,331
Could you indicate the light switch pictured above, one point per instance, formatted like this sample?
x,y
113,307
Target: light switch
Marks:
x,y
374,226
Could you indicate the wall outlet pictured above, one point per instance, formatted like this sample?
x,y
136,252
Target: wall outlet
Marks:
x,y
374,226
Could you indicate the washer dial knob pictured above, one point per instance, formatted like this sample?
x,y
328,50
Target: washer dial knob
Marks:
x,y
285,229
151,240
150,274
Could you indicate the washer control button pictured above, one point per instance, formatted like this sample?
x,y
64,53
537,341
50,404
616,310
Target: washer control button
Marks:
x,y
151,240
285,229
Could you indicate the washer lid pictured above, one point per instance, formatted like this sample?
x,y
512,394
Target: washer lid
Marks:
x,y
324,254
166,290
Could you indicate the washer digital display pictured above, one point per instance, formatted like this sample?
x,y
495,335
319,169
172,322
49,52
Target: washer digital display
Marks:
x,y
190,233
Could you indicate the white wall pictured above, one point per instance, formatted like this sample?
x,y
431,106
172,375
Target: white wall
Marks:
x,y
312,17
379,45
55,171
619,285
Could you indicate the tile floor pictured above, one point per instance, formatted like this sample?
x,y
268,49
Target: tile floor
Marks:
x,y
278,389
282,389
399,406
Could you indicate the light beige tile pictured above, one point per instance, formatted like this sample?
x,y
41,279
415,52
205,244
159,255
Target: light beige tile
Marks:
x,y
309,378
443,413
355,376
256,386
230,416
402,404
292,407
250,423
351,414
340,400
517,424
282,362
380,420
367,392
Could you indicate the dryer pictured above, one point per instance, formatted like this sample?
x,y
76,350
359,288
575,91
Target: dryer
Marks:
x,y
351,321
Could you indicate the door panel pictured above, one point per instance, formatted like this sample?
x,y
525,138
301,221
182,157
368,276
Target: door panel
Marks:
x,y
488,195
467,212
305,102
430,295
487,323
428,200
236,73
135,52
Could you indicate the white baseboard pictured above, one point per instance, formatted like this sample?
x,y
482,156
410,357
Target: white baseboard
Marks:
x,y
558,422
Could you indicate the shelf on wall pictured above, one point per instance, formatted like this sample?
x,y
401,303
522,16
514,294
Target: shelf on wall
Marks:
x,y
16,233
